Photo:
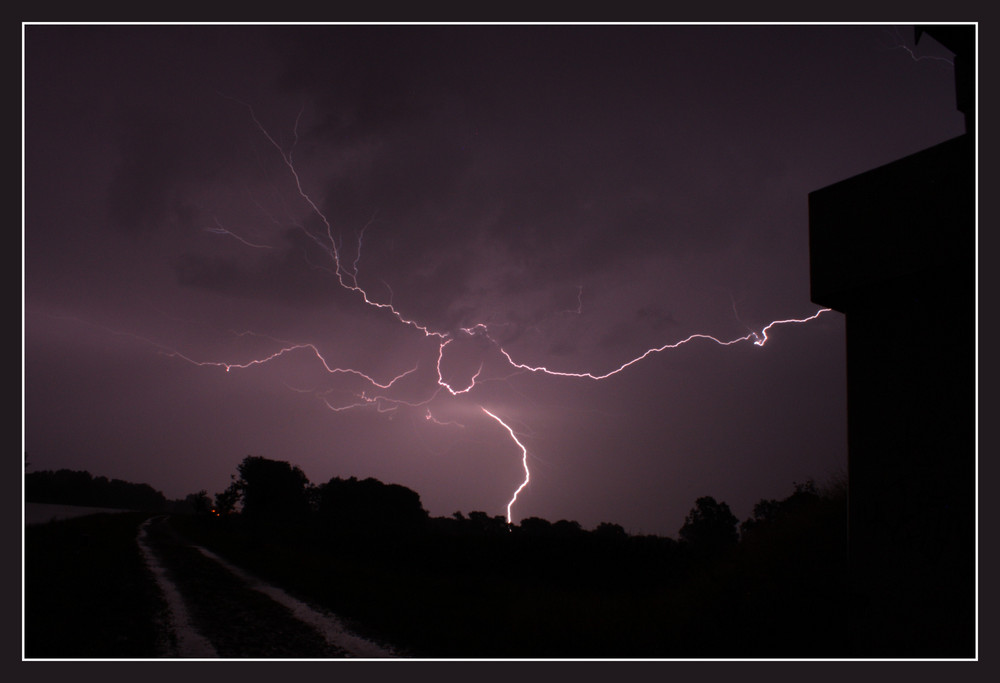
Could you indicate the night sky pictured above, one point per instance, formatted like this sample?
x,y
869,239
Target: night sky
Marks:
x,y
565,197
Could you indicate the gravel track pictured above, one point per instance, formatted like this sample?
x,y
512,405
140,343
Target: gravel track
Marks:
x,y
239,616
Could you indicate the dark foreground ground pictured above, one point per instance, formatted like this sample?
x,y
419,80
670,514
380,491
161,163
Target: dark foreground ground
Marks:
x,y
87,591
89,594
493,594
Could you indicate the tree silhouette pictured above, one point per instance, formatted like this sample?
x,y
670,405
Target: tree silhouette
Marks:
x,y
199,504
369,507
610,530
536,526
273,492
710,526
772,515
226,501
482,523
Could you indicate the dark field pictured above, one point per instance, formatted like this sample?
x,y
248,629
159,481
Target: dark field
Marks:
x,y
495,594
87,591
778,585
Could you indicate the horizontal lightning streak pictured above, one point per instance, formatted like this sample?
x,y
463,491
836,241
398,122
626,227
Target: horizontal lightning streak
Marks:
x,y
444,423
220,230
759,340
763,338
364,401
289,349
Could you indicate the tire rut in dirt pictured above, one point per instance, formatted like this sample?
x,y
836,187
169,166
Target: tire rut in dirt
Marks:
x,y
239,621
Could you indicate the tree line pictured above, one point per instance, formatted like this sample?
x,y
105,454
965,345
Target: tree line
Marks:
x,y
268,494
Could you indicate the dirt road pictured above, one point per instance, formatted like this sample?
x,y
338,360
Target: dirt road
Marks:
x,y
218,610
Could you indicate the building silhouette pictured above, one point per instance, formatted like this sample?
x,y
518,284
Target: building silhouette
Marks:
x,y
893,249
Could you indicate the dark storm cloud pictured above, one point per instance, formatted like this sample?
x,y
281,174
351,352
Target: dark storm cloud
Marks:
x,y
143,193
524,128
284,279
434,291
148,133
655,318
293,270
521,142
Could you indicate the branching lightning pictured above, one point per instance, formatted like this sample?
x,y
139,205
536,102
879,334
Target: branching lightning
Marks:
x,y
347,278
758,339
346,275
288,349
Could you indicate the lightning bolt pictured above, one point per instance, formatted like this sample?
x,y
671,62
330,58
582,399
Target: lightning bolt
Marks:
x,y
758,339
900,44
220,230
762,338
347,277
444,423
452,390
281,352
524,462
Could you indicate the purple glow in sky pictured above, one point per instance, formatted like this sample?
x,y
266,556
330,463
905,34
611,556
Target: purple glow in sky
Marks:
x,y
439,210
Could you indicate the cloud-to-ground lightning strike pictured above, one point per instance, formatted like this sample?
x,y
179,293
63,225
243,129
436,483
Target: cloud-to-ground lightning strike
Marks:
x,y
524,461
347,277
